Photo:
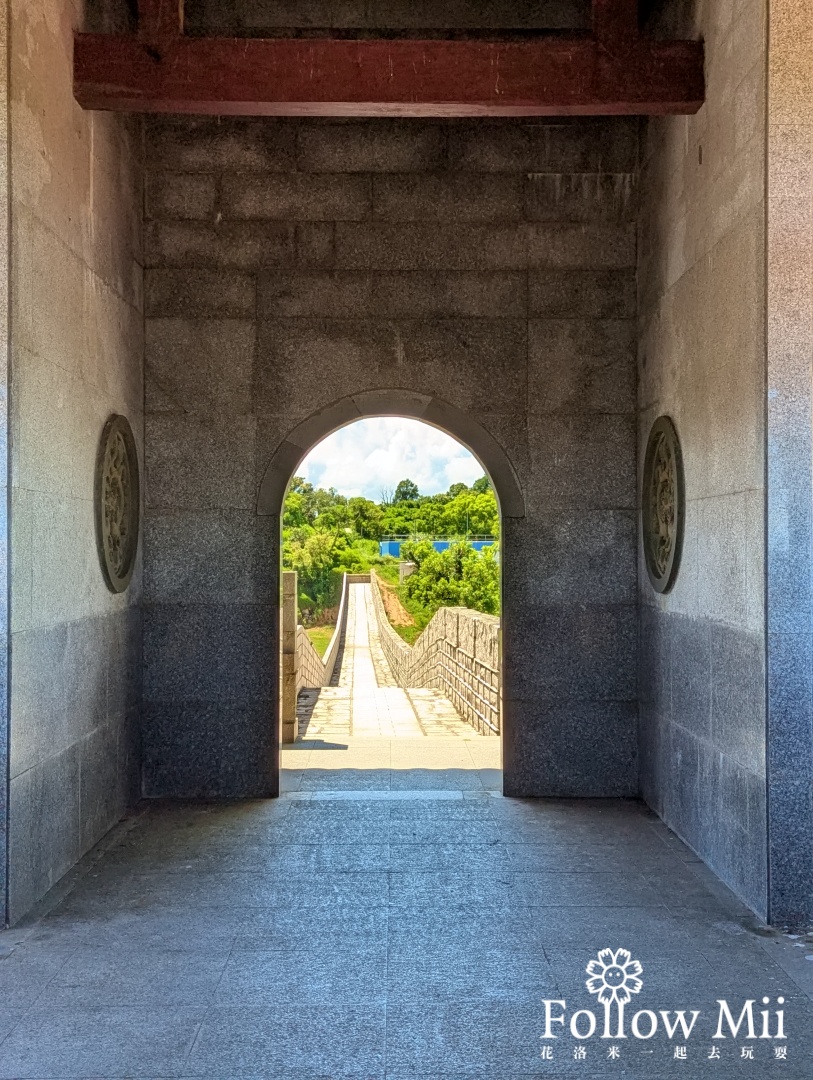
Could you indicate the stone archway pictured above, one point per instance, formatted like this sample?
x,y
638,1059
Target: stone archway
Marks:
x,y
431,410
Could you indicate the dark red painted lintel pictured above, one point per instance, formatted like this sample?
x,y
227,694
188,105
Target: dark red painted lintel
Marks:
x,y
551,76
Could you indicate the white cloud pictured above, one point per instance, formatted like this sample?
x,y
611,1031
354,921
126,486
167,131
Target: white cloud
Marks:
x,y
376,453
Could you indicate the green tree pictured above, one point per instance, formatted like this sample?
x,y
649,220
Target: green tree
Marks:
x,y
481,486
406,491
366,518
471,514
457,577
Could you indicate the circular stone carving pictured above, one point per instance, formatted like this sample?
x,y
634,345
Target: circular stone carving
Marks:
x,y
117,503
662,505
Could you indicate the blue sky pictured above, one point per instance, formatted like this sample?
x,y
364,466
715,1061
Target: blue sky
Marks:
x,y
372,454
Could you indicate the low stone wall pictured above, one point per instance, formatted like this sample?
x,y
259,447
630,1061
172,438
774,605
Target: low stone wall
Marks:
x,y
302,666
458,653
313,670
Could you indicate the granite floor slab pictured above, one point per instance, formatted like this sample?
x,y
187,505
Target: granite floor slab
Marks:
x,y
392,933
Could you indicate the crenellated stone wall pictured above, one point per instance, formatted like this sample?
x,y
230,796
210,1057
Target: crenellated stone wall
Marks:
x,y
458,653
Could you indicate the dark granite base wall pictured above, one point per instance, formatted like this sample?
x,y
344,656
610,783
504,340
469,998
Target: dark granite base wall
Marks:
x,y
702,742
75,748
209,721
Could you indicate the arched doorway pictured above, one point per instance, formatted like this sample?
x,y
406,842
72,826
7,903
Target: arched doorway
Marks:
x,y
430,410
466,690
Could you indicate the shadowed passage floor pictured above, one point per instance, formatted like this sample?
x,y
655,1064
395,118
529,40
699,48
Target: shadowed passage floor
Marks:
x,y
391,917
368,733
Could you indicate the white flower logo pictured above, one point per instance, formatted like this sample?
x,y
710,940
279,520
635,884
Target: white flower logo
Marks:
x,y
614,977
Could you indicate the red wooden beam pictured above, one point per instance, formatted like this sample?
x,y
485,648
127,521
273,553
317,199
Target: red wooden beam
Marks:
x,y
550,75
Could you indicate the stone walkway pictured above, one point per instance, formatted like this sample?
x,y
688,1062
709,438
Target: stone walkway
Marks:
x,y
400,932
367,702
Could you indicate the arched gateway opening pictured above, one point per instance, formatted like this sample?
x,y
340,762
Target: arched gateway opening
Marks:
x,y
341,703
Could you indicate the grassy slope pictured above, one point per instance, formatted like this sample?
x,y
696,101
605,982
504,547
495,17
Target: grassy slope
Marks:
x,y
320,637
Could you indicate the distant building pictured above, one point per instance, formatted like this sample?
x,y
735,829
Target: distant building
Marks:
x,y
391,545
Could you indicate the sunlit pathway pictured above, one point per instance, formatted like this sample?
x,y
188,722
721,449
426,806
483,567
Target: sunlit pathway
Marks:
x,y
367,703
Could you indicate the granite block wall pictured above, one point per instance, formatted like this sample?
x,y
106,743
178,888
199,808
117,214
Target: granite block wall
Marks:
x,y
76,356
701,352
256,17
291,264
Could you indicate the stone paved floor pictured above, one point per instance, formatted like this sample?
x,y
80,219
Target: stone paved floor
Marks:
x,y
395,932
391,915
366,701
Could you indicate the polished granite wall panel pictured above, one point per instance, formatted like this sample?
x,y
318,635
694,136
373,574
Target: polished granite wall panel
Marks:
x,y
76,357
291,264
4,488
701,360
790,463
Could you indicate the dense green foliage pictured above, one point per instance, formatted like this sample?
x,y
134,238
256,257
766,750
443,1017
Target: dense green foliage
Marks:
x,y
457,577
326,535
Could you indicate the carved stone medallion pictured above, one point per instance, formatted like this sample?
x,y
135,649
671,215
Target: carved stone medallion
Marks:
x,y
117,503
662,505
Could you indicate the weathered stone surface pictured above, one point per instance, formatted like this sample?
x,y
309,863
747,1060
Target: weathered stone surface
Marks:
x,y
567,294
374,146
601,145
296,196
436,246
181,195
325,294
701,278
409,257
201,144
587,197
315,243
250,15
408,295
199,366
447,198
197,293
581,366
229,245
76,340
569,245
